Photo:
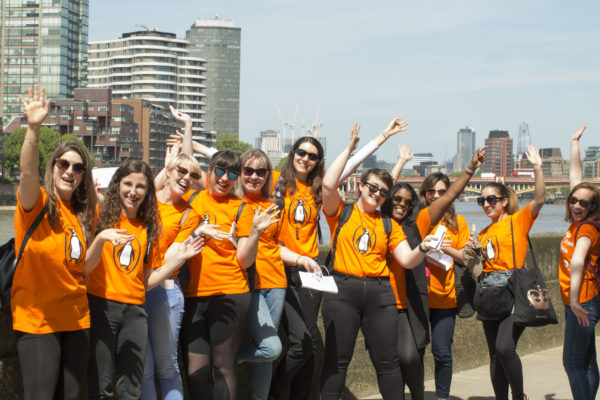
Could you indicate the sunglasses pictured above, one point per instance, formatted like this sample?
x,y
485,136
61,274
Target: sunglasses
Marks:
x,y
231,175
492,200
63,165
397,200
373,189
182,172
260,172
582,203
302,153
432,192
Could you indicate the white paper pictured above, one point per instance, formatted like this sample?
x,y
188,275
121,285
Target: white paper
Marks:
x,y
103,175
232,238
438,238
322,283
439,259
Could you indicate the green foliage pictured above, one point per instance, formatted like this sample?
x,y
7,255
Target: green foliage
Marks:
x,y
231,142
281,163
14,143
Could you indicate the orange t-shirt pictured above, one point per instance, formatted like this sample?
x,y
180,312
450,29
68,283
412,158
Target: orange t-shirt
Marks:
x,y
119,276
362,243
299,220
589,288
441,282
172,231
497,242
270,273
397,271
48,292
216,270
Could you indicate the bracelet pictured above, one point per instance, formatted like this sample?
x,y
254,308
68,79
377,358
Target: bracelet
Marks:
x,y
422,250
297,259
469,171
31,142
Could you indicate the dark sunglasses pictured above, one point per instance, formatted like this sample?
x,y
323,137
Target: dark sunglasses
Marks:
x,y
260,172
63,165
302,153
397,200
182,172
432,191
373,189
582,203
492,200
231,175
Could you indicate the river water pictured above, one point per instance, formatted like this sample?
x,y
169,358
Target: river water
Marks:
x,y
551,219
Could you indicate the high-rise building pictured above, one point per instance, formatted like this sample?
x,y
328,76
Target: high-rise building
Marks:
x,y
591,161
465,147
417,159
499,154
41,42
219,43
269,142
523,140
157,67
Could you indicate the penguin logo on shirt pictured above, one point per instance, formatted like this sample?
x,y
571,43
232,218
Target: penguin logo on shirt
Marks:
x,y
208,218
299,213
363,240
491,249
127,256
74,249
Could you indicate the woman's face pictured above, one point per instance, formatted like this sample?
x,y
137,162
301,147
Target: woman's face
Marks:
x,y
580,211
306,157
181,179
493,207
402,204
221,181
67,174
373,191
254,175
133,189
435,192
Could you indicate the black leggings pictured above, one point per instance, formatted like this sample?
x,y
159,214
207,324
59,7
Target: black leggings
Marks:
x,y
211,333
411,361
368,304
53,365
505,365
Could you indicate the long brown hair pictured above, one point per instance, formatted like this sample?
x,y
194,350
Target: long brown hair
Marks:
x,y
110,211
315,176
508,192
428,183
83,199
594,211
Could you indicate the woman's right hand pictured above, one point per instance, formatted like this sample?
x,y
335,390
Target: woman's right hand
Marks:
x,y
405,154
354,139
581,314
397,125
181,117
212,231
577,135
115,236
36,110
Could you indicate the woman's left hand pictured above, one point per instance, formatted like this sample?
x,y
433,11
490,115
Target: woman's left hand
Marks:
x,y
262,220
581,314
354,139
478,158
36,109
533,156
397,125
192,246
181,117
309,265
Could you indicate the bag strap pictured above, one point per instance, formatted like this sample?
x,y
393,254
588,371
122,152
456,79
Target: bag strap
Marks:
x,y
387,226
278,196
149,243
184,217
512,238
239,213
344,217
32,228
192,197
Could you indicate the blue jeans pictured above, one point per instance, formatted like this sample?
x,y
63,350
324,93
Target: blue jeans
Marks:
x,y
165,311
266,306
579,351
442,333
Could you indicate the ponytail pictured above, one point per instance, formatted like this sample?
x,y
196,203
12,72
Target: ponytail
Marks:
x,y
508,192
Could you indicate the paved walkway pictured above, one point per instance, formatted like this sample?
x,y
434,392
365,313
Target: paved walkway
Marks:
x,y
545,379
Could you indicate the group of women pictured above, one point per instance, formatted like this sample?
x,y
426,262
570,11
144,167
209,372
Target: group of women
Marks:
x,y
113,282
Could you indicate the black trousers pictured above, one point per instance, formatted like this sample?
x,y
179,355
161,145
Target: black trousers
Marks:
x,y
53,365
368,304
411,360
299,320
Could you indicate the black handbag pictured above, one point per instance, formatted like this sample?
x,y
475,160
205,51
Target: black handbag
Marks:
x,y
8,263
532,300
493,298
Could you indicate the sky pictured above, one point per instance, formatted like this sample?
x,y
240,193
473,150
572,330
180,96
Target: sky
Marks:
x,y
440,65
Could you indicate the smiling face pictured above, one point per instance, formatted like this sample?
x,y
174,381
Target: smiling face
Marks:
x,y
371,194
578,211
132,192
495,211
435,192
254,175
67,174
220,185
303,164
181,178
402,203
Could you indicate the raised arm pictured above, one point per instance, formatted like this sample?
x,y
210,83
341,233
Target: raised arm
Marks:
x,y
36,110
161,178
330,196
582,246
397,125
539,196
410,258
196,146
438,208
405,156
575,170
186,120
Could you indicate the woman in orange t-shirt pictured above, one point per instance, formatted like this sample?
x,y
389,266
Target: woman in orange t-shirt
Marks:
x,y
217,297
49,307
509,225
118,274
579,288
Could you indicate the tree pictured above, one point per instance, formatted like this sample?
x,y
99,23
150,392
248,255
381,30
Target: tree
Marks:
x,y
281,164
231,142
13,143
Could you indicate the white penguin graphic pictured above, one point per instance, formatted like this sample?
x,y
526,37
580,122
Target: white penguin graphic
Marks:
x,y
489,249
206,220
75,246
364,241
126,256
300,212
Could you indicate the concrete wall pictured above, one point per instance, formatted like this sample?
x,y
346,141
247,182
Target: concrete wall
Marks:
x,y
469,350
8,194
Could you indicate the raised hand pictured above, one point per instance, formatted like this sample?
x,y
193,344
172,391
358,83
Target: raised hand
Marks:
x,y
577,135
181,117
212,231
478,158
172,152
533,156
405,153
354,139
174,138
262,220
36,109
397,125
